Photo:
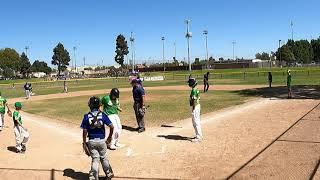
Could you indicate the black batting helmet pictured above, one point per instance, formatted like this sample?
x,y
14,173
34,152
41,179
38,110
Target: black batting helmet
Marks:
x,y
94,103
192,82
115,92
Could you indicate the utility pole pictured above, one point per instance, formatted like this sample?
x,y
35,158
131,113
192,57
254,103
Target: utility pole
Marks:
x,y
84,61
188,36
163,59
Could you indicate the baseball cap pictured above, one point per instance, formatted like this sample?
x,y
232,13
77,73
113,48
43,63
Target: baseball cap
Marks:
x,y
18,104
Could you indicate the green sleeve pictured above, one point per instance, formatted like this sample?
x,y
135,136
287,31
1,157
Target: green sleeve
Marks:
x,y
15,116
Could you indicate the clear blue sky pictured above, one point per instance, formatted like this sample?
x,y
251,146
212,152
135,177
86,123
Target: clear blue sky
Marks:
x,y
92,26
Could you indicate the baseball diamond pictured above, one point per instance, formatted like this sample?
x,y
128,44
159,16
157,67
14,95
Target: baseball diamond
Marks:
x,y
159,90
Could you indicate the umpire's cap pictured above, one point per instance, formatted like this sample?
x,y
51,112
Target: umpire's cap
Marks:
x,y
115,92
192,82
94,103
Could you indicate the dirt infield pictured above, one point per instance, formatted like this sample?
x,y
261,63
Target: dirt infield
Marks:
x,y
266,138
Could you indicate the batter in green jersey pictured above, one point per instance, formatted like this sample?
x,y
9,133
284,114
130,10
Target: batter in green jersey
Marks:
x,y
195,109
3,105
111,107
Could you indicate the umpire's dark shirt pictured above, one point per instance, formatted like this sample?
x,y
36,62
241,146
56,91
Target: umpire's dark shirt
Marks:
x,y
205,78
137,92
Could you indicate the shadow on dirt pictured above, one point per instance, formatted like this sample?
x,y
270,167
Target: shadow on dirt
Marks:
x,y
298,92
12,149
175,137
128,128
75,175
85,176
169,126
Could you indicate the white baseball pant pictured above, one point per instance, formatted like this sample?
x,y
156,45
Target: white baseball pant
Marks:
x,y
114,118
196,121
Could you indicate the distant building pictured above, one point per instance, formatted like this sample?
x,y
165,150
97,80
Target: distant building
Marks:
x,y
38,74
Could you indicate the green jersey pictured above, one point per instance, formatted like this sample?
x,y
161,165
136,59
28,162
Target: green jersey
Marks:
x,y
16,118
195,96
3,102
110,106
289,80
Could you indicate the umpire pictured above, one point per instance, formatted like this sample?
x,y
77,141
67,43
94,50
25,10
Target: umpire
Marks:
x,y
138,106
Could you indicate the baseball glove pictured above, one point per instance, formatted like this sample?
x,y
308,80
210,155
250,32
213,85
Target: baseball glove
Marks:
x,y
86,149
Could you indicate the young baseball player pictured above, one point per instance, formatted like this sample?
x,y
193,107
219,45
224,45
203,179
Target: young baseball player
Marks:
x,y
93,125
195,108
19,129
3,105
289,84
111,107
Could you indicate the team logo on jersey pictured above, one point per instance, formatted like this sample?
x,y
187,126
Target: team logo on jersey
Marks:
x,y
95,121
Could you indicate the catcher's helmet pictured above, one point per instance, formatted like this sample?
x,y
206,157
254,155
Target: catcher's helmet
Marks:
x,y
94,103
115,92
192,82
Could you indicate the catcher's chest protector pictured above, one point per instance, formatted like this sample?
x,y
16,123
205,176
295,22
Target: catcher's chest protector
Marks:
x,y
95,121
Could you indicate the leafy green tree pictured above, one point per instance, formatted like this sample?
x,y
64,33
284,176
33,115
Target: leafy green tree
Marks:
x,y
40,66
60,58
286,54
121,49
315,44
24,65
8,73
196,61
302,51
263,56
9,58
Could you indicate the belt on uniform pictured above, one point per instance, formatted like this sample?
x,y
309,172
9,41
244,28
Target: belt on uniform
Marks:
x,y
97,139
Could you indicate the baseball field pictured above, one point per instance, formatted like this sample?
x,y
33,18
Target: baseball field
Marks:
x,y
250,131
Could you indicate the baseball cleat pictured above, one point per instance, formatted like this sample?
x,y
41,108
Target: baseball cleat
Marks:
x,y
118,145
141,130
112,147
24,148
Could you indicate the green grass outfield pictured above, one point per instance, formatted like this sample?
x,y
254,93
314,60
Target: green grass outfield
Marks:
x,y
300,76
165,106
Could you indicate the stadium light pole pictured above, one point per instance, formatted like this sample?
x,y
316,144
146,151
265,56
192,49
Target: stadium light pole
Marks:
x,y
233,44
205,32
163,59
132,53
74,57
26,48
291,24
188,36
175,50
280,53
